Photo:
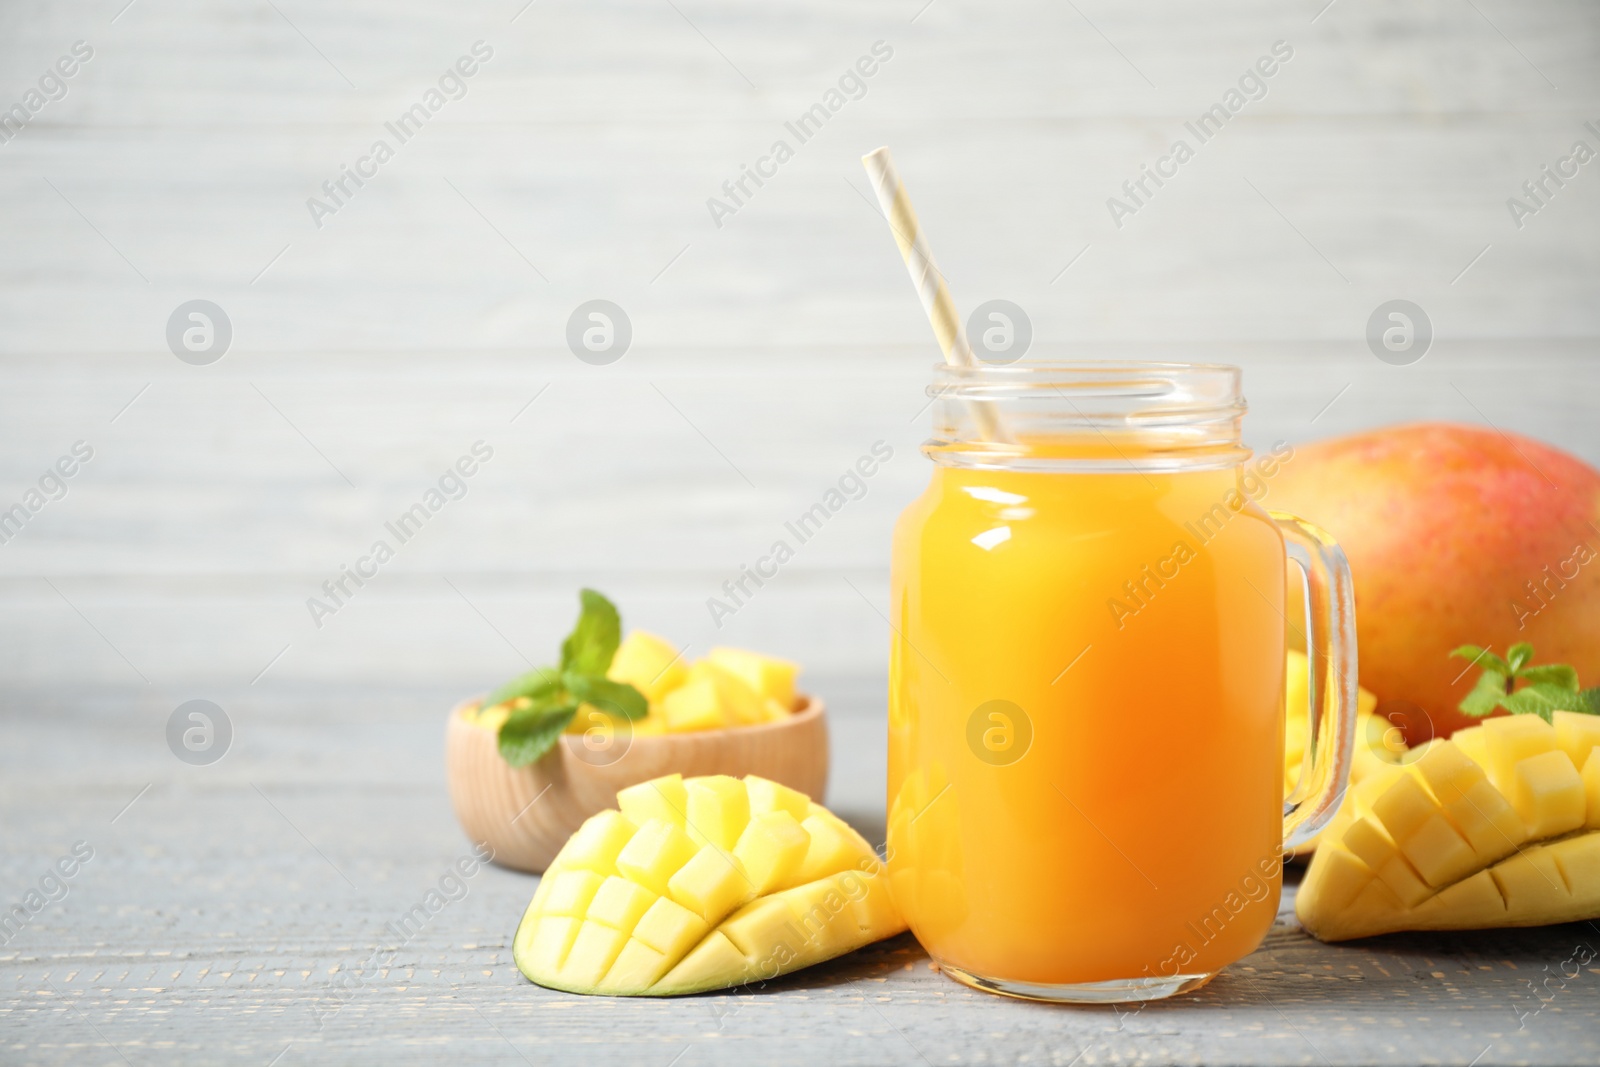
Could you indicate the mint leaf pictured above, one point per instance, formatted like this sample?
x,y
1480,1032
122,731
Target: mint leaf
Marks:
x,y
1558,674
614,698
1518,655
539,684
1543,699
1590,699
1482,657
594,640
528,733
1486,695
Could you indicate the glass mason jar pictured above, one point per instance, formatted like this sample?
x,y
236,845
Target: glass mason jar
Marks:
x,y
1086,720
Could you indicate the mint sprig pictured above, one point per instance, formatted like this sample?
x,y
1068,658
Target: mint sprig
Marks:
x,y
1544,689
553,694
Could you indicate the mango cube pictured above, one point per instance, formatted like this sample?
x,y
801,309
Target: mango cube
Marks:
x,y
1577,735
694,705
600,923
834,847
619,903
1488,821
768,796
1340,877
770,677
1449,772
660,798
1548,793
638,966
655,854
741,704
711,884
593,951
718,809
1473,743
1403,881
1368,842
670,928
1439,853
1510,739
771,850
648,663
1591,791
1404,807
551,941
571,892
596,844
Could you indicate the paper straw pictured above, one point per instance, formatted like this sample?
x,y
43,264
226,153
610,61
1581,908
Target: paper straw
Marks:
x,y
935,295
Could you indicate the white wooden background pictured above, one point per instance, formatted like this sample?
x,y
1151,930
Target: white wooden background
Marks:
x,y
767,355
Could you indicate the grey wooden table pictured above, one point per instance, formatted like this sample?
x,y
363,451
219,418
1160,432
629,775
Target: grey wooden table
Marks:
x,y
377,335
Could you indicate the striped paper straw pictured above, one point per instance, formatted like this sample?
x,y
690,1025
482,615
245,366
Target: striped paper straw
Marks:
x,y
935,295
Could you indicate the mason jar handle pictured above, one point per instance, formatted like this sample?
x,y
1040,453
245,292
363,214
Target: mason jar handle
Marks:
x,y
1330,642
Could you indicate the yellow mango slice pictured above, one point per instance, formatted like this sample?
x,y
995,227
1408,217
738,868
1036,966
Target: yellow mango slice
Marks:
x,y
1379,744
571,892
718,808
1591,791
1473,743
770,677
655,854
694,705
1510,739
711,884
1450,843
648,663
771,850
660,798
741,704
636,905
768,796
596,844
1547,792
1577,735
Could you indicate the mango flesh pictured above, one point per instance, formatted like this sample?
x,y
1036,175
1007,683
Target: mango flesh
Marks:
x,y
1378,742
1455,534
730,687
702,883
1501,831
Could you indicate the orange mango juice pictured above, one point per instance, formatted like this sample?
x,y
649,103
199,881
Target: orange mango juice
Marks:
x,y
1086,723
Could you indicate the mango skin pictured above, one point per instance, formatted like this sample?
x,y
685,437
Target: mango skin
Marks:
x,y
1444,526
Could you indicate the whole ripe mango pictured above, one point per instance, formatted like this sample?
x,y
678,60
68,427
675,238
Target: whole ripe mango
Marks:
x,y
1455,535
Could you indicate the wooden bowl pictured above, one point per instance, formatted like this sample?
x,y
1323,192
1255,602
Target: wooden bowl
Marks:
x,y
527,813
